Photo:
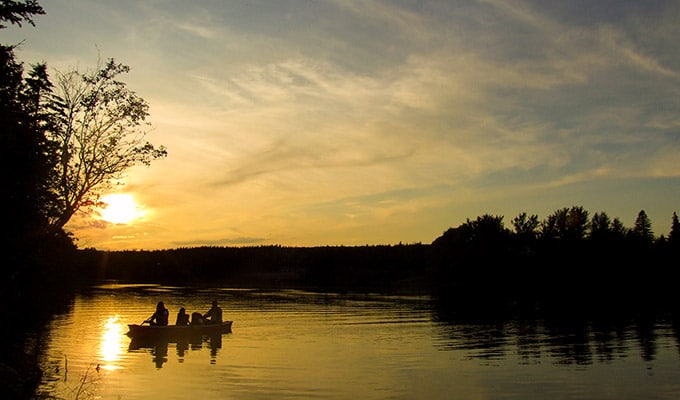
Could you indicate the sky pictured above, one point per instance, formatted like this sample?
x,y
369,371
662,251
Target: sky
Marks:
x,y
351,122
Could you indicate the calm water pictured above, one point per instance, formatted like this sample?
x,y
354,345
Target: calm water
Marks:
x,y
302,345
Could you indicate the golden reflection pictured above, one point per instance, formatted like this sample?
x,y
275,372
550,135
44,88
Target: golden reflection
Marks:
x,y
112,343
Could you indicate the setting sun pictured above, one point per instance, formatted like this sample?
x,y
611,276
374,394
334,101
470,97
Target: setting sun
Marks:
x,y
119,209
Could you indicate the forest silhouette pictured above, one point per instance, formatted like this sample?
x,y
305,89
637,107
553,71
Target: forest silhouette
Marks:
x,y
567,259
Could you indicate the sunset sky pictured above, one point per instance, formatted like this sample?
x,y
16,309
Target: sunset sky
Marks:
x,y
344,122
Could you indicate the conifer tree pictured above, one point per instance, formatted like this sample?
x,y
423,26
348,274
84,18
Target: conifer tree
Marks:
x,y
642,230
674,235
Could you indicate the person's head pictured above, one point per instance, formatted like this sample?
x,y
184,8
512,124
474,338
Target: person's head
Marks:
x,y
214,303
160,305
182,310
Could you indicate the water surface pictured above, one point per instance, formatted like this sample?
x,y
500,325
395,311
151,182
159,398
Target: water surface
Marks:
x,y
291,344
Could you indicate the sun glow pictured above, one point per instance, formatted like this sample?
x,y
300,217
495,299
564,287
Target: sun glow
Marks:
x,y
119,209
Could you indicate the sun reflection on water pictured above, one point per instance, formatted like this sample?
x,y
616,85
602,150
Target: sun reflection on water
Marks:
x,y
112,343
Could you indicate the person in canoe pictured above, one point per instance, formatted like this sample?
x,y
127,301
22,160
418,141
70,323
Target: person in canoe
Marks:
x,y
160,317
214,315
196,318
182,317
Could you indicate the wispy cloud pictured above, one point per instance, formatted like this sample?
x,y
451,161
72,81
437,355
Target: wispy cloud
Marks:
x,y
341,117
198,29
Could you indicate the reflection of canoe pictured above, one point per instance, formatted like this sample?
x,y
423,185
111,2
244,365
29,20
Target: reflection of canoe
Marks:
x,y
177,331
182,343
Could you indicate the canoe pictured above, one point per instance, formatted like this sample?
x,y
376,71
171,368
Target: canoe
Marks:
x,y
174,331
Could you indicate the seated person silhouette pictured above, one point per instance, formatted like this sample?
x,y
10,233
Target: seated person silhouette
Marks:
x,y
196,318
182,317
214,315
160,317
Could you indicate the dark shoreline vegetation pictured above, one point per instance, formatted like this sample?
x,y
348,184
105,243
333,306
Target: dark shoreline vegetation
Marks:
x,y
566,263
566,260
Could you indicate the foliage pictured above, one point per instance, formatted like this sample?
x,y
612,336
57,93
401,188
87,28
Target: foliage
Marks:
x,y
618,229
16,12
487,228
485,237
98,134
566,223
62,144
600,226
674,235
526,227
27,162
642,230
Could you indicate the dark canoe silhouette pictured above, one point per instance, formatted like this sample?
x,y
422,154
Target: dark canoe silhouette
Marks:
x,y
177,331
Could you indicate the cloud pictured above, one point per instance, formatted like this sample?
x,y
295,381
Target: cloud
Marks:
x,y
198,29
347,114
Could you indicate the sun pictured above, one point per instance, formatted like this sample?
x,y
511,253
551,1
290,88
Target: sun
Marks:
x,y
119,209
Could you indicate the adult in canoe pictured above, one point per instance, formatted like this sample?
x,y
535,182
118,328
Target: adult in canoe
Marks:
x,y
214,315
160,317
182,317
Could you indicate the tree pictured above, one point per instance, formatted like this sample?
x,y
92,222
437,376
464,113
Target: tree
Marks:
x,y
566,223
600,226
577,223
619,231
26,163
16,12
99,133
25,160
484,232
525,226
674,235
642,230
487,229
553,226
29,247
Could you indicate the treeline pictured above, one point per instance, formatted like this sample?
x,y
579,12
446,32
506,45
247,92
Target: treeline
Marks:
x,y
568,256
568,259
327,267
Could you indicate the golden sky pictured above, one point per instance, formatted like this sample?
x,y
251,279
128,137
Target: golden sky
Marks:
x,y
352,122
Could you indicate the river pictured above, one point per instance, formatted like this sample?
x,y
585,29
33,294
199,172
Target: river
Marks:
x,y
292,344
